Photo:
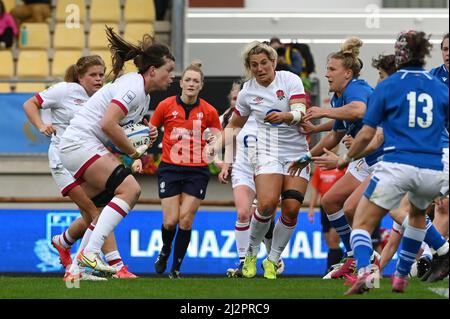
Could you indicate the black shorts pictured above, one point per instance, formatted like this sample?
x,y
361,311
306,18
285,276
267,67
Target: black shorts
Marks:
x,y
326,226
175,179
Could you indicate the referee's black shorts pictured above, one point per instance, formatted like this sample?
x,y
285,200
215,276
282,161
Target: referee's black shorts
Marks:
x,y
175,179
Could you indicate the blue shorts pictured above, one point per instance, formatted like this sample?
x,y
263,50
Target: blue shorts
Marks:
x,y
175,179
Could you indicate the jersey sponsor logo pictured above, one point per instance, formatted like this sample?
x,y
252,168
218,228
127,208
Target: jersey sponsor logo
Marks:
x,y
258,100
79,102
280,95
128,97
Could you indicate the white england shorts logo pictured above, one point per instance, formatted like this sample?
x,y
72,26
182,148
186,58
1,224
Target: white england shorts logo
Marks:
x,y
56,223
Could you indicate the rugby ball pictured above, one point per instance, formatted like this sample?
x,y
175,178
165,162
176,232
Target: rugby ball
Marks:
x,y
138,134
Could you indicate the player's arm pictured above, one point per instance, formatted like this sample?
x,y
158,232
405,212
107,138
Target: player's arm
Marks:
x,y
330,160
358,147
298,111
352,111
374,144
328,142
309,128
31,108
110,126
229,133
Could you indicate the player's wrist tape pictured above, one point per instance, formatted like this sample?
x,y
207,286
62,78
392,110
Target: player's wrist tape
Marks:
x,y
306,158
139,152
297,111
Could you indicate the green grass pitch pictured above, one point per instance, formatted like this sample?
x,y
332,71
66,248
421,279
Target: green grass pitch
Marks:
x,y
207,288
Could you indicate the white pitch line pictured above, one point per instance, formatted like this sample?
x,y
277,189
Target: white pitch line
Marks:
x,y
440,291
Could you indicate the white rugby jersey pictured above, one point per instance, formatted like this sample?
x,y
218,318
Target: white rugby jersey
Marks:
x,y
246,142
63,99
127,92
283,141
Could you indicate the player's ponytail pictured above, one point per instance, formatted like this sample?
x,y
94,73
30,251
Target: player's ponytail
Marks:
x,y
144,55
349,54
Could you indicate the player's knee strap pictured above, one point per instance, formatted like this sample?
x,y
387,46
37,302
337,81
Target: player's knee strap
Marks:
x,y
292,194
102,199
117,177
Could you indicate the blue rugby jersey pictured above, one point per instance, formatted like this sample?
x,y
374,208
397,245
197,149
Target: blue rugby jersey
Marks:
x,y
441,73
411,106
360,91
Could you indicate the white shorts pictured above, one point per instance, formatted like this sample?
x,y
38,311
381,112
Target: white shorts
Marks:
x,y
78,155
359,169
444,189
391,181
62,177
242,174
271,165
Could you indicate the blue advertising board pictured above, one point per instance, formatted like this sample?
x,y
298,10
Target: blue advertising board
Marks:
x,y
18,135
25,242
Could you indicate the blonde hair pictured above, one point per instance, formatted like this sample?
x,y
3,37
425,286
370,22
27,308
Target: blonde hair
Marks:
x,y
254,48
349,55
196,66
82,66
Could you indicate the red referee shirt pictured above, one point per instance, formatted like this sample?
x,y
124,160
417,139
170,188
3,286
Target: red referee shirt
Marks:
x,y
184,127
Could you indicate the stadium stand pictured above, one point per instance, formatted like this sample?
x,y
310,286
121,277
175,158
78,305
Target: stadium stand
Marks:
x,y
105,11
135,31
60,61
62,6
7,69
38,36
97,36
56,44
33,64
139,11
30,87
62,34
9,4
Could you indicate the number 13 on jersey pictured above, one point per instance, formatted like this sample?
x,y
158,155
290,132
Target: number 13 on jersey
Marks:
x,y
427,109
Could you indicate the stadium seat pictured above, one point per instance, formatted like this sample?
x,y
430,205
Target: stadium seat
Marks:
x,y
38,36
135,31
32,64
140,11
61,6
62,60
9,4
97,36
5,87
68,39
105,11
7,69
30,87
